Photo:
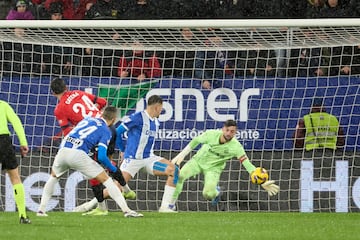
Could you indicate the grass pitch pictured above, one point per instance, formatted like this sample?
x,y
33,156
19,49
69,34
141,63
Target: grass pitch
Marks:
x,y
184,225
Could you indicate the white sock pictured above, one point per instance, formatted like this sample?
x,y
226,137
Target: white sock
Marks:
x,y
47,193
126,188
167,197
102,206
91,204
116,195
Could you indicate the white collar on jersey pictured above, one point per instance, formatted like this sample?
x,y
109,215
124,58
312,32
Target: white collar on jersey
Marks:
x,y
152,119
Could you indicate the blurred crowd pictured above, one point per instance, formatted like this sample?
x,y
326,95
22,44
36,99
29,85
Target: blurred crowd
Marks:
x,y
209,67
181,9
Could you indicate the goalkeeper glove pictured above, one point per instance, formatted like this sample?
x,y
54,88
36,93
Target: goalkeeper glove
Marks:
x,y
270,187
117,175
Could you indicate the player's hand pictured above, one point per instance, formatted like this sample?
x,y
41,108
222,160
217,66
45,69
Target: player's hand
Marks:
x,y
270,187
24,150
177,160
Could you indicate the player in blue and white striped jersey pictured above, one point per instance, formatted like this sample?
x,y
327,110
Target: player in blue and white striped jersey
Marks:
x,y
141,128
73,154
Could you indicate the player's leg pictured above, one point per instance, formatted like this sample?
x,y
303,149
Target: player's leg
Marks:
x,y
116,195
129,168
211,189
162,167
98,200
99,193
48,191
86,206
92,169
126,191
10,164
59,167
19,194
190,169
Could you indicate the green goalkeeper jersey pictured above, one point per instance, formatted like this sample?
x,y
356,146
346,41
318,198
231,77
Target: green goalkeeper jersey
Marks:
x,y
212,153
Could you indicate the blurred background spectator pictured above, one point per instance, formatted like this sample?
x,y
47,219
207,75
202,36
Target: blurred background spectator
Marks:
x,y
140,9
214,66
20,12
139,65
103,9
201,9
180,64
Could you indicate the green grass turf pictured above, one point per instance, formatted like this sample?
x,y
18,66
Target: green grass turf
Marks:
x,y
184,225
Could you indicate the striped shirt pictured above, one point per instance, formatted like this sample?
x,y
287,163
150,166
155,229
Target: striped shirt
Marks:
x,y
141,131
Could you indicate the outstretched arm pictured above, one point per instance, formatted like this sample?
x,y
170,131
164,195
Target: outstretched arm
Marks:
x,y
269,186
180,157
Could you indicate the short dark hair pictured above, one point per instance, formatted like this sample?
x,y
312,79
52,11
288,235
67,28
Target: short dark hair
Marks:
x,y
317,102
230,123
58,85
109,113
154,99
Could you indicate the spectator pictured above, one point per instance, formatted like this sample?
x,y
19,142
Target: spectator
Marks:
x,y
213,66
318,129
139,64
180,63
305,62
142,9
314,7
338,59
261,63
72,9
53,60
333,10
56,11
20,12
103,9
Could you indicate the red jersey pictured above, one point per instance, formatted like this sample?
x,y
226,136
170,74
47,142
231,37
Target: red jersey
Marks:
x,y
74,106
138,64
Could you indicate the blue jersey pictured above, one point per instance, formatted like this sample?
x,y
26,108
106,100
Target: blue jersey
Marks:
x,y
87,134
141,131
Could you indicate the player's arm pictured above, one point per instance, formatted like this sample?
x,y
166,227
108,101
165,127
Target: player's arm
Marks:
x,y
269,186
120,130
192,145
299,134
104,159
18,128
98,101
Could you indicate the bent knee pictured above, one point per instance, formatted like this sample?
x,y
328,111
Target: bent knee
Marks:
x,y
209,194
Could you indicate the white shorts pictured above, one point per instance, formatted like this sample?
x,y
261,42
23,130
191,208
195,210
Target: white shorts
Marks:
x,y
68,158
132,166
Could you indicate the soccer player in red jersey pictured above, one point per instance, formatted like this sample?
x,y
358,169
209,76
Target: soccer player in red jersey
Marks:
x,y
74,105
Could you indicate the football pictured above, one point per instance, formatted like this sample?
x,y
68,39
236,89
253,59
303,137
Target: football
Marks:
x,y
259,176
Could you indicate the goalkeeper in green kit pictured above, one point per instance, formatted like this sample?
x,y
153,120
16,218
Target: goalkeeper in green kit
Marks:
x,y
218,146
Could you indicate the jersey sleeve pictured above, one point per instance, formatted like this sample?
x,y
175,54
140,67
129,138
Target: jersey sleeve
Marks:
x,y
101,102
201,139
17,125
131,121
